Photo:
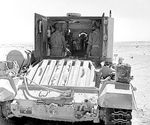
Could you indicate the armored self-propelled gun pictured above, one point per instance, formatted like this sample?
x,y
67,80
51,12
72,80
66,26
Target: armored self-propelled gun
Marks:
x,y
67,88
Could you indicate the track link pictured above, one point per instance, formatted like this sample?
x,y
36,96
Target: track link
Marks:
x,y
111,116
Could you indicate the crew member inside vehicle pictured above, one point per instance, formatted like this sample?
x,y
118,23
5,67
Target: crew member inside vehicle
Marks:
x,y
93,48
107,70
58,42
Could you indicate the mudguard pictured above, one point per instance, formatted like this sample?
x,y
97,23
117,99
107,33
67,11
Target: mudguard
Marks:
x,y
116,95
7,88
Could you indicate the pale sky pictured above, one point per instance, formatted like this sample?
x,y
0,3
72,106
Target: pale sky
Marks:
x,y
132,17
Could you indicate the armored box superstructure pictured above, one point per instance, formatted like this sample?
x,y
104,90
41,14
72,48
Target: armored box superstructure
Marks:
x,y
74,26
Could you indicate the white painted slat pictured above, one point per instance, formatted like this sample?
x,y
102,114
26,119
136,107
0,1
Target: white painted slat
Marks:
x,y
40,71
88,75
92,74
69,83
81,71
65,73
31,73
83,74
69,72
76,73
48,72
86,64
57,72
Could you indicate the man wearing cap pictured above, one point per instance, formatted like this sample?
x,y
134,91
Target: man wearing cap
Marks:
x,y
94,41
58,42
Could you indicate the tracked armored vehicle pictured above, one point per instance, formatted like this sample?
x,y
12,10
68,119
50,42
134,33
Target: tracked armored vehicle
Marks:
x,y
67,88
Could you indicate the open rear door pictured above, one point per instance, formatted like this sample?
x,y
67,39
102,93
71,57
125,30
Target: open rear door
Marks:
x,y
104,37
107,27
110,34
40,45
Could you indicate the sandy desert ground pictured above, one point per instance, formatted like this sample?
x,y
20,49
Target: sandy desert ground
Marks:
x,y
137,54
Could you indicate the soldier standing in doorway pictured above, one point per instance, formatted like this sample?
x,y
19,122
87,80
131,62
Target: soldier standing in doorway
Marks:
x,y
93,48
58,42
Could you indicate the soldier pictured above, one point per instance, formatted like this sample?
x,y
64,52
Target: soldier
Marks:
x,y
107,70
94,41
58,42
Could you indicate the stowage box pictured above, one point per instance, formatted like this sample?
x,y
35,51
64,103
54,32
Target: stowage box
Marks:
x,y
123,73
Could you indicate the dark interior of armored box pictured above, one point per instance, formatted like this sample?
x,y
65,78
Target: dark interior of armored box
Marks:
x,y
76,32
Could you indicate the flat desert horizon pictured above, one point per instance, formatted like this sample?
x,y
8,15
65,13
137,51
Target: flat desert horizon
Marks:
x,y
137,54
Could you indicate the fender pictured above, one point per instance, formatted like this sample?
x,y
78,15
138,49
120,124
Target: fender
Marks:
x,y
116,95
7,88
